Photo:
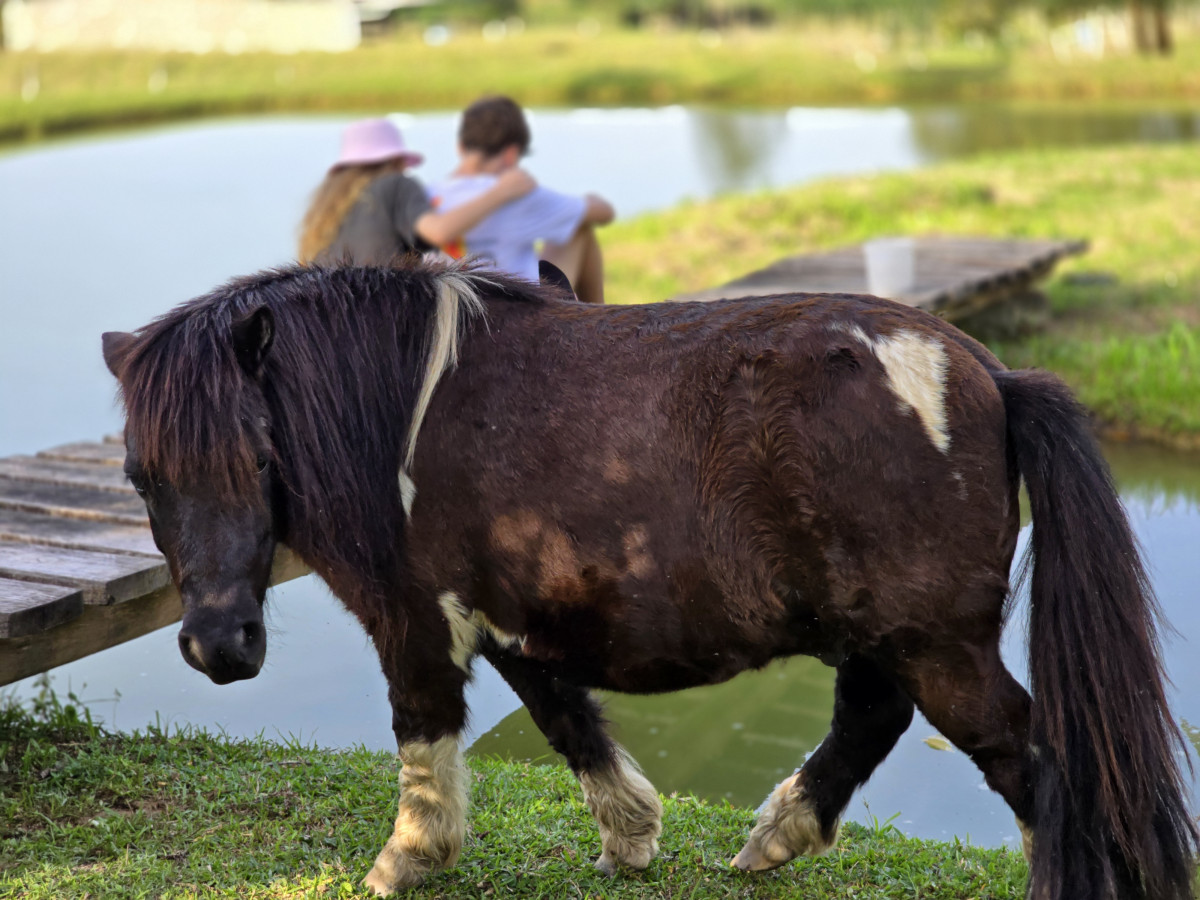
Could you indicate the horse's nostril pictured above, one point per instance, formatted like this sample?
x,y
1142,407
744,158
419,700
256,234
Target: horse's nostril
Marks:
x,y
191,655
251,632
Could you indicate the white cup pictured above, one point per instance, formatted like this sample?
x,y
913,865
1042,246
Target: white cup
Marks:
x,y
890,265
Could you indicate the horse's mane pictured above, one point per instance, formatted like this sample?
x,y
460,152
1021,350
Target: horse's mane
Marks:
x,y
347,339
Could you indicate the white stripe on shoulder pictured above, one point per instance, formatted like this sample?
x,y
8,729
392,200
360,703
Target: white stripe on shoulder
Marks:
x,y
457,300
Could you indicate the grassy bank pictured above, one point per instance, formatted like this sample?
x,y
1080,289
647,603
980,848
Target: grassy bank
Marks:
x,y
816,64
87,814
1126,316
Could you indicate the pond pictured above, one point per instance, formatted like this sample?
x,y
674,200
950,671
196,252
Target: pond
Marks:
x,y
103,233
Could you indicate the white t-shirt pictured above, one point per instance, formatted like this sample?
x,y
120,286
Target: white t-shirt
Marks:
x,y
507,236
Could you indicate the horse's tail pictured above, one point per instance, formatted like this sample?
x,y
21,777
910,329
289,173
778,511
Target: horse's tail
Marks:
x,y
1110,816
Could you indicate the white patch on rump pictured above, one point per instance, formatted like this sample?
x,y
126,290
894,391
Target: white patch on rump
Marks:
x,y
432,817
916,367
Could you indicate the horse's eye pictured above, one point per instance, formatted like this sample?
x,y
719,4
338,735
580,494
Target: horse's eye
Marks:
x,y
139,484
261,461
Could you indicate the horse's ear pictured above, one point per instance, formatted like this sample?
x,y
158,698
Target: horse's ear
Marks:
x,y
252,337
115,344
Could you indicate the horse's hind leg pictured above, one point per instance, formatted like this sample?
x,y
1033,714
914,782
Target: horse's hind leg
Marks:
x,y
967,694
801,815
624,803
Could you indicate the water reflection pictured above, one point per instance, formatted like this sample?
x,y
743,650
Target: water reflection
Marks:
x,y
734,149
1155,478
730,741
947,132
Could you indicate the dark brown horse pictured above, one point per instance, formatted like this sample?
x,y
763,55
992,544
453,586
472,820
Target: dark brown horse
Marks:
x,y
648,498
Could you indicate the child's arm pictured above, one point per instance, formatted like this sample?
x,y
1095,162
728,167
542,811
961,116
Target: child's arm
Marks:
x,y
442,228
597,210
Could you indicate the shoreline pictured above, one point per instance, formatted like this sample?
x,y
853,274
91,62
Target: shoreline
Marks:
x,y
817,64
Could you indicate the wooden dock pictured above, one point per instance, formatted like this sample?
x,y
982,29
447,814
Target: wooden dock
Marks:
x,y
79,571
955,277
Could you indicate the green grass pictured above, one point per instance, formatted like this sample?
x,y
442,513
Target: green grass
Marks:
x,y
1126,315
89,814
813,64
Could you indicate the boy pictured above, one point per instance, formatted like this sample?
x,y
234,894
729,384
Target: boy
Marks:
x,y
492,138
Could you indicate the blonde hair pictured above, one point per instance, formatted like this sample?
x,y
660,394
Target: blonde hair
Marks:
x,y
333,199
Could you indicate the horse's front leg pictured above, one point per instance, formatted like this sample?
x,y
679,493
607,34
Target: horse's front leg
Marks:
x,y
425,689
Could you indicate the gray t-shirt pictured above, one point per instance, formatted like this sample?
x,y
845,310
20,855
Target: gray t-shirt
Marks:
x,y
380,225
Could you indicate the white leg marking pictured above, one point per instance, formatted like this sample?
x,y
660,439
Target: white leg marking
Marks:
x,y
466,628
916,366
503,638
1026,841
432,820
628,812
408,493
787,827
464,631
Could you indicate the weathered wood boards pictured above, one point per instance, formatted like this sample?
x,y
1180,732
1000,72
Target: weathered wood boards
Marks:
x,y
82,534
33,608
954,276
72,500
108,453
103,578
97,628
67,472
79,571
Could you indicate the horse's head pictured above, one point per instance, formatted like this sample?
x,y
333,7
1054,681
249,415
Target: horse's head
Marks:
x,y
199,452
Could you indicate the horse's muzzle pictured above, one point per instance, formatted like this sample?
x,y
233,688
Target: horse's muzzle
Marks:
x,y
225,655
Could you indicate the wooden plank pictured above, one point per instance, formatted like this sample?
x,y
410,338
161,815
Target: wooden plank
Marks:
x,y
27,608
76,501
953,275
80,534
53,471
106,454
103,578
101,627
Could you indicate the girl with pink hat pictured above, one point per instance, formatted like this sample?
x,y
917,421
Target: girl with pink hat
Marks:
x,y
369,212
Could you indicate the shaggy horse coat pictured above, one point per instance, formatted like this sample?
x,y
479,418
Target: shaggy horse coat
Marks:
x,y
648,498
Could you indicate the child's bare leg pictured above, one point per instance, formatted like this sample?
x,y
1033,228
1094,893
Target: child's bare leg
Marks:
x,y
582,262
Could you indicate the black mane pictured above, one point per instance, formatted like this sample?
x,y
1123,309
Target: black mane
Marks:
x,y
185,394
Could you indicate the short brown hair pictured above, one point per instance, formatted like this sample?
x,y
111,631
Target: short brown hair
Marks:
x,y
491,124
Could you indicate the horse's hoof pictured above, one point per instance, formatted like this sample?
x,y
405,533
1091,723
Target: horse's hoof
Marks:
x,y
751,859
606,865
386,877
378,885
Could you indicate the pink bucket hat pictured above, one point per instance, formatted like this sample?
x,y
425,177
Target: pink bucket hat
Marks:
x,y
372,141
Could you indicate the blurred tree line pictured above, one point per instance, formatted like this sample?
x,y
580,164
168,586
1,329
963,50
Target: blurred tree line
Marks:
x,y
1149,20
